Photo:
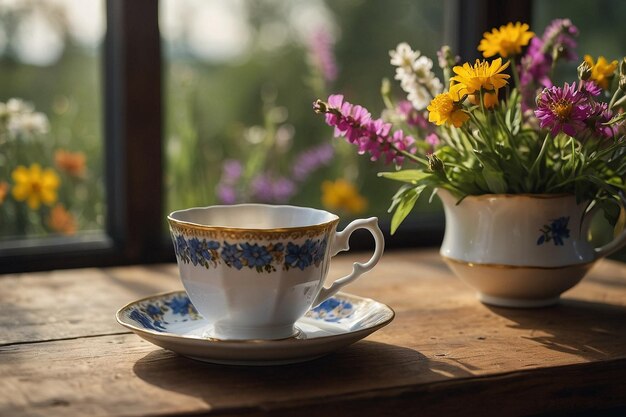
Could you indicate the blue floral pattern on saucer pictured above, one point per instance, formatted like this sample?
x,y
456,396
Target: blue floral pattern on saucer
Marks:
x,y
159,313
171,321
263,258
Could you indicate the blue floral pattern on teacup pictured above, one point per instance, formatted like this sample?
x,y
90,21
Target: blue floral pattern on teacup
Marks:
x,y
555,231
159,313
263,258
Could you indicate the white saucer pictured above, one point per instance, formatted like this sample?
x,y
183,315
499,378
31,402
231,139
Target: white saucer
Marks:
x,y
172,322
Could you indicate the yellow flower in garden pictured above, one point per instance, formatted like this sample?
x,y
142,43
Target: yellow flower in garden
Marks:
x,y
343,196
4,190
482,76
35,186
61,220
446,108
71,162
601,72
505,41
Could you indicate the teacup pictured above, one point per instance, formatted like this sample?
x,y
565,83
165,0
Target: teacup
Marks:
x,y
252,270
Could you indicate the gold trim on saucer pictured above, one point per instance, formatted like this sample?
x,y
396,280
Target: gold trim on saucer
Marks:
x,y
503,266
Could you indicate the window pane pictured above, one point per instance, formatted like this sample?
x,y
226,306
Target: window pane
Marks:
x,y
241,77
51,159
600,25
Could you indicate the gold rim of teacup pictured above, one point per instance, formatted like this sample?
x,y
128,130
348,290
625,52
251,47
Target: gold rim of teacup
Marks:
x,y
188,228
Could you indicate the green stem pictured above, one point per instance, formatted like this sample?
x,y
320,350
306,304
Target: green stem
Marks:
x,y
617,95
515,73
542,152
411,156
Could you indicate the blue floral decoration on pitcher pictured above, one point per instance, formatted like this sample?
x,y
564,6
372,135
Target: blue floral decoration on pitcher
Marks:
x,y
555,231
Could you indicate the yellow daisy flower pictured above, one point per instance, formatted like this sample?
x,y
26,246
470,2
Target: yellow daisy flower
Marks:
x,y
508,40
343,196
601,72
446,108
35,186
482,76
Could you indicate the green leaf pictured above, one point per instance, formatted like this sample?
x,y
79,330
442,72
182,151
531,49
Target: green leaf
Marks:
x,y
405,205
494,179
412,176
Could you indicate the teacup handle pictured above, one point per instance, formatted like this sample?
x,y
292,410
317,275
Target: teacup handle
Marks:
x,y
617,242
341,243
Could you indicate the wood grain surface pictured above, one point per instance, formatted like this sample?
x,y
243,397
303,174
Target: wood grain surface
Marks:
x,y
62,353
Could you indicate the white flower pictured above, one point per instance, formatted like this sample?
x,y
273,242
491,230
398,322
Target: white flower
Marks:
x,y
29,124
403,56
415,75
420,97
17,105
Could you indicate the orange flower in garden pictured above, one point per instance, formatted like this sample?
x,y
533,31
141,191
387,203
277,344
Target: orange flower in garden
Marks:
x,y
343,196
35,186
4,190
602,72
505,41
71,162
61,220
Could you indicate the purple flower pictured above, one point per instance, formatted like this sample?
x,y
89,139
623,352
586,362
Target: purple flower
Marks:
x,y
311,160
226,194
231,171
590,88
558,40
321,52
562,109
264,188
600,115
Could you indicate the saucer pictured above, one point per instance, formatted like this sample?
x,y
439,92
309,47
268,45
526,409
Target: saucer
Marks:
x,y
172,322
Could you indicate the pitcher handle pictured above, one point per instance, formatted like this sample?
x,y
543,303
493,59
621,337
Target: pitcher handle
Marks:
x,y
341,243
618,241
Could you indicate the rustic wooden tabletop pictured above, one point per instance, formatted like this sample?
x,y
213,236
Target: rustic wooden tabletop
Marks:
x,y
63,354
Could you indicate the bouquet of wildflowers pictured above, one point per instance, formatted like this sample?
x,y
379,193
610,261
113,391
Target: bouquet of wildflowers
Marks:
x,y
498,125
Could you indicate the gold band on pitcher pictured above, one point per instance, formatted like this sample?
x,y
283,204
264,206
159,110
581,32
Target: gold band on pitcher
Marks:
x,y
503,266
215,232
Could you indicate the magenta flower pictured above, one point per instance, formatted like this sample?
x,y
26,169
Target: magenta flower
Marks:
x,y
411,115
321,53
600,115
537,63
562,109
590,88
371,136
433,140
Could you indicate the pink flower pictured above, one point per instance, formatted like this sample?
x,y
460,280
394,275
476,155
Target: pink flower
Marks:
x,y
433,140
411,115
355,123
562,109
601,114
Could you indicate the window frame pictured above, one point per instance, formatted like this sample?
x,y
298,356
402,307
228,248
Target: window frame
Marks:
x,y
134,159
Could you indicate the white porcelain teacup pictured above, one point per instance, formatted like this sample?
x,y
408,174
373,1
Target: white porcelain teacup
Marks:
x,y
253,270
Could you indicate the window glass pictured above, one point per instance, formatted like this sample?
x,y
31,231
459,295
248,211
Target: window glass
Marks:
x,y
51,159
241,77
600,26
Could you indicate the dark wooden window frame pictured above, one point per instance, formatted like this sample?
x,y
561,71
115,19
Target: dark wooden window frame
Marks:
x,y
134,143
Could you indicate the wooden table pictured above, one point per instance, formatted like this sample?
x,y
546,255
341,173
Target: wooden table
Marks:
x,y
445,354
